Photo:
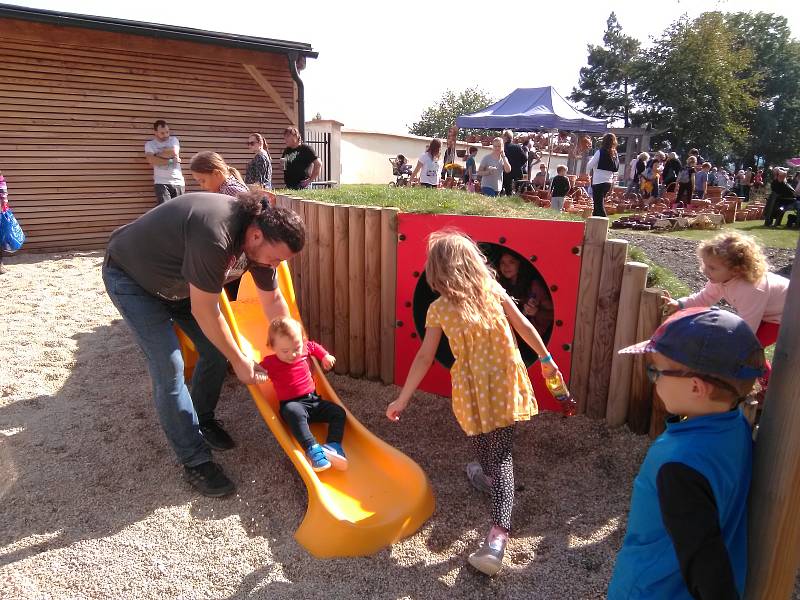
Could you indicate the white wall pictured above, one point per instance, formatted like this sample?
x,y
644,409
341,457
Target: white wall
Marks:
x,y
365,154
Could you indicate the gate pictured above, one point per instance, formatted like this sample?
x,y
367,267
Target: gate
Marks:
x,y
320,143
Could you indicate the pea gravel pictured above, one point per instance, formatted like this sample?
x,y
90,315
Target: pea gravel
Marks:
x,y
92,504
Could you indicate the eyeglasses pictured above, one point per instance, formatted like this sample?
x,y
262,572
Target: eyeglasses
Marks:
x,y
653,374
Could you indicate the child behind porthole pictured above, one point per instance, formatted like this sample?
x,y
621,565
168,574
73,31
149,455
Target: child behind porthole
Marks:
x,y
515,281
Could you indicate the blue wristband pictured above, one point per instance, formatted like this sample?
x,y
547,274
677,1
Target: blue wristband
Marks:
x,y
546,359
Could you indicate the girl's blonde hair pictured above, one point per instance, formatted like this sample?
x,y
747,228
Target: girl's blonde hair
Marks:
x,y
285,326
208,162
741,253
457,269
643,156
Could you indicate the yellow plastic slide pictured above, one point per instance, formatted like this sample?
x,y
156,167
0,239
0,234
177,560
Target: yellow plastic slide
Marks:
x,y
382,497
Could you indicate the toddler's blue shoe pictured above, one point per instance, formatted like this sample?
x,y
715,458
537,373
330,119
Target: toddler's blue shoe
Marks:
x,y
316,456
335,454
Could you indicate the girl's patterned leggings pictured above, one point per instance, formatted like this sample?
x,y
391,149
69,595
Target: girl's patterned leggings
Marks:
x,y
494,454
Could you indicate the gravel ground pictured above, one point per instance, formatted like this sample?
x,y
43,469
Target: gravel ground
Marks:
x,y
92,504
680,256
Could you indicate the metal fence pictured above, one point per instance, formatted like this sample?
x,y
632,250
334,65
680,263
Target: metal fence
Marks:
x,y
320,142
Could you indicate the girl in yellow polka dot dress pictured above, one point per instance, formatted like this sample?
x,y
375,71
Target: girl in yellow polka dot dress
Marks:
x,y
491,389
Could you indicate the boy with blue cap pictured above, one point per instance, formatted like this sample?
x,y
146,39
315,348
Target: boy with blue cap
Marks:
x,y
687,527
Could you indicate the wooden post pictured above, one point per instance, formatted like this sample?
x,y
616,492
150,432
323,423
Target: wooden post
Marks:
x,y
296,261
774,552
634,280
305,269
326,295
312,225
641,388
605,324
341,288
357,263
372,300
388,291
594,239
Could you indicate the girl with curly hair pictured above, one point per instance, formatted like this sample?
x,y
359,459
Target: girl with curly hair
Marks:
x,y
737,272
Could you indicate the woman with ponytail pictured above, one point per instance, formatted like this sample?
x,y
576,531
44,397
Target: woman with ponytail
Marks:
x,y
213,174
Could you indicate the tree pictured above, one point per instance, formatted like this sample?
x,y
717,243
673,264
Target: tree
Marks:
x,y
775,120
606,85
697,84
437,119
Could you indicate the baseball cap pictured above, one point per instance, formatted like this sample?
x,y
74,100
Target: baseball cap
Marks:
x,y
707,340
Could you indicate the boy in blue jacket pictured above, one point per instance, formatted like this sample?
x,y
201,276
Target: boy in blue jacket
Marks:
x,y
687,527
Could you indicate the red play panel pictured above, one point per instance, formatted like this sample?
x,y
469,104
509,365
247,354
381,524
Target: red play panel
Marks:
x,y
548,248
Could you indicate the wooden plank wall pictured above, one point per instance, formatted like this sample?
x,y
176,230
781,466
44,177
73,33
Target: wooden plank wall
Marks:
x,y
354,285
77,106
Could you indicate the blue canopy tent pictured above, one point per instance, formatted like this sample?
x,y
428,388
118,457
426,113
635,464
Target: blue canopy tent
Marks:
x,y
528,109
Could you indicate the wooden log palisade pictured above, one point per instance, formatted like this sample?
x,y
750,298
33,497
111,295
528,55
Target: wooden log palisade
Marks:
x,y
346,284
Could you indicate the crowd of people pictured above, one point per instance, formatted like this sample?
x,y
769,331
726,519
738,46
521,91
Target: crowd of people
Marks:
x,y
497,174
509,167
654,175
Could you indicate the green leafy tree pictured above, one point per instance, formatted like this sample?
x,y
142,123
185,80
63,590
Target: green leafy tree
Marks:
x,y
775,120
437,119
696,84
606,86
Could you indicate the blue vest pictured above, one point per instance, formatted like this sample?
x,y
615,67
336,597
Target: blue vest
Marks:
x,y
719,447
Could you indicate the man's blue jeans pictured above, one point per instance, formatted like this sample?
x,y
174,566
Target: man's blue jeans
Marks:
x,y
151,320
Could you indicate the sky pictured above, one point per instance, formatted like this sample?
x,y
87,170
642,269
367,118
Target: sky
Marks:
x,y
382,63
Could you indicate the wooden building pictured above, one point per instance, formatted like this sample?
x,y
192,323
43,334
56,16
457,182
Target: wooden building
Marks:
x,y
78,97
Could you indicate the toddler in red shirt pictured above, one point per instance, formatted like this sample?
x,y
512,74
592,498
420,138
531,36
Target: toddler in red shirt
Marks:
x,y
290,371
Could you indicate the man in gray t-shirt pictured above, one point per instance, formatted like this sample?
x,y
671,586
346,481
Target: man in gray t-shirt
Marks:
x,y
163,154
168,267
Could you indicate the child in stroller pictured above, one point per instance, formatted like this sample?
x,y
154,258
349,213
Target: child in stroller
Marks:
x,y
401,170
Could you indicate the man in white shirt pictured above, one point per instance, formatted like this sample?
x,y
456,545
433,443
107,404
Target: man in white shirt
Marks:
x,y
163,154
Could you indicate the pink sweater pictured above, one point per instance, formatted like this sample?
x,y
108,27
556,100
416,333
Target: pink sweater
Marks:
x,y
754,302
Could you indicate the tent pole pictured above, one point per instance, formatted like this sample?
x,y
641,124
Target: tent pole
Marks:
x,y
549,156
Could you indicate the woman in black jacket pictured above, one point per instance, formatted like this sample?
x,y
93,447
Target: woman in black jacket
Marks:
x,y
604,166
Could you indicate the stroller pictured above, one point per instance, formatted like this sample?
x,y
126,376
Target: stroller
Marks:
x,y
401,170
